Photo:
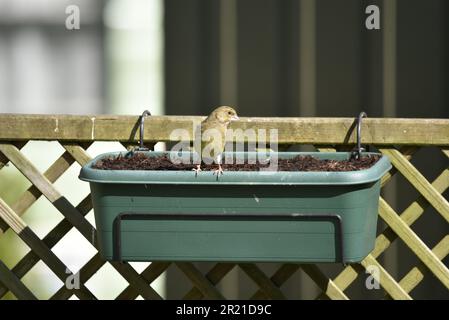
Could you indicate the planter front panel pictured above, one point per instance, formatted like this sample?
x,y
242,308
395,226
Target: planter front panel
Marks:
x,y
256,239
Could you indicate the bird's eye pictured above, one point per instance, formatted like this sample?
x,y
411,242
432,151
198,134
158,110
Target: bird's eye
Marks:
x,y
229,112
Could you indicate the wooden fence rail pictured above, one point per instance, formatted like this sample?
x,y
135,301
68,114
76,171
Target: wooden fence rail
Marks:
x,y
399,139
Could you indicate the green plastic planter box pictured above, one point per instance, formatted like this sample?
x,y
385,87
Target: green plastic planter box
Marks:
x,y
244,216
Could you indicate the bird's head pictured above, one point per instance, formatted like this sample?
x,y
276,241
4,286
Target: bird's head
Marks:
x,y
224,114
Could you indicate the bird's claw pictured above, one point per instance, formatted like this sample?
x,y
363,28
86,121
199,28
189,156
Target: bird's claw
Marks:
x,y
218,172
197,169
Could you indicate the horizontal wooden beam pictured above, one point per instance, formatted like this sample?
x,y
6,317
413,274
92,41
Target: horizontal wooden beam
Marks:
x,y
382,131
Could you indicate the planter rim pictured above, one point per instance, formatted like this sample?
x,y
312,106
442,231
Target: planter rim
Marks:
x,y
372,174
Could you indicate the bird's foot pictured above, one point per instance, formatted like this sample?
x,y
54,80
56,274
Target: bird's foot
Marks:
x,y
197,169
219,171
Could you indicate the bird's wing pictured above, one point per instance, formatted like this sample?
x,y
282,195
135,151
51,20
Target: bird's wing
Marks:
x,y
214,143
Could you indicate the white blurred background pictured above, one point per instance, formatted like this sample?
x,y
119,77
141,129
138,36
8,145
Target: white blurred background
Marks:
x,y
113,64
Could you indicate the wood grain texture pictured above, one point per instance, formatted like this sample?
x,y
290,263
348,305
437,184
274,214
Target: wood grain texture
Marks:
x,y
409,216
266,285
324,283
386,280
11,219
284,273
414,243
13,283
214,275
72,215
151,273
416,275
53,262
382,131
50,240
418,181
203,284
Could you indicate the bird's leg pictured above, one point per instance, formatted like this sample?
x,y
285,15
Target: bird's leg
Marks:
x,y
197,169
219,170
218,161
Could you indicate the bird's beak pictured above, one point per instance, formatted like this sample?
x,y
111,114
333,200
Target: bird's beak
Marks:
x,y
235,117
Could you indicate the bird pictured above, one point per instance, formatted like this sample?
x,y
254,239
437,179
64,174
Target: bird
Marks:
x,y
214,128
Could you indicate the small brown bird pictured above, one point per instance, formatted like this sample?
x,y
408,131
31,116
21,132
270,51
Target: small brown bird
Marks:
x,y
214,128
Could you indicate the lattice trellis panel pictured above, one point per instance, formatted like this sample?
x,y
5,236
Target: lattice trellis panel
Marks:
x,y
205,284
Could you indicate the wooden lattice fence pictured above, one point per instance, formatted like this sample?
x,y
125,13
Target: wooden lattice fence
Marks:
x,y
399,139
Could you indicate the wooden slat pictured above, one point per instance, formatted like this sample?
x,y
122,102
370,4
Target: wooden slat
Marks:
x,y
411,213
202,283
445,151
214,275
384,240
3,160
416,275
81,156
345,278
8,216
72,215
85,273
77,152
38,247
13,283
50,240
49,191
265,284
384,131
419,182
408,152
151,273
30,196
136,280
29,171
32,193
323,282
278,278
53,262
386,280
414,243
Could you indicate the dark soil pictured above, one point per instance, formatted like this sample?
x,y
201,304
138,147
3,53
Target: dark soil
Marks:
x,y
139,161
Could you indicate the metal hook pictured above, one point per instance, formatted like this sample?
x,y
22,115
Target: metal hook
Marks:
x,y
357,153
142,120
